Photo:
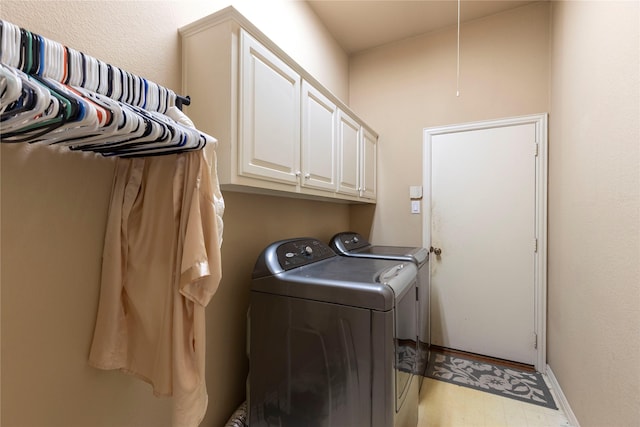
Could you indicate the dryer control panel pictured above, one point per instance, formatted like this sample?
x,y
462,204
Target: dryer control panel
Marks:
x,y
348,241
288,254
296,253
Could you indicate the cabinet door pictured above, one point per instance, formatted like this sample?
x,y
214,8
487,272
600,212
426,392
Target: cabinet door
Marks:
x,y
349,154
368,165
269,140
319,154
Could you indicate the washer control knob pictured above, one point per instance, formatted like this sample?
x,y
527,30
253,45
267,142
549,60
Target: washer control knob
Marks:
x,y
355,239
308,250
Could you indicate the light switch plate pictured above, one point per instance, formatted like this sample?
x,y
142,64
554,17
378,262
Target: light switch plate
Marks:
x,y
415,192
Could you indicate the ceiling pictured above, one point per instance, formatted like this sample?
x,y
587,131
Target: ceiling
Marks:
x,y
362,24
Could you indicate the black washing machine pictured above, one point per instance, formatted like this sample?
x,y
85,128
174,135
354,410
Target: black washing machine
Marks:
x,y
331,339
354,245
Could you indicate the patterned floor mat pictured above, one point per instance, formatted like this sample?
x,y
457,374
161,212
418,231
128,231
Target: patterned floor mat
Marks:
x,y
508,382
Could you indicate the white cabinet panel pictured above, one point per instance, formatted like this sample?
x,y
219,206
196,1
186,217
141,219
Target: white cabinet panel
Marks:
x,y
269,135
368,165
349,146
319,153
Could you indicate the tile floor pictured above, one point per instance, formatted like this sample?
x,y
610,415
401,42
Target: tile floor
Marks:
x,y
449,405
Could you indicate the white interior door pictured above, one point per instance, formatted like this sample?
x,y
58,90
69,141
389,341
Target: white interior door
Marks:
x,y
483,190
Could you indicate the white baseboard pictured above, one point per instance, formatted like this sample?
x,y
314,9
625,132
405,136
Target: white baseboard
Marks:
x,y
562,399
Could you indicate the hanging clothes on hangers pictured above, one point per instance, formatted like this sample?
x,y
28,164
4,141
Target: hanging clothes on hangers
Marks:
x,y
34,54
161,260
53,94
161,266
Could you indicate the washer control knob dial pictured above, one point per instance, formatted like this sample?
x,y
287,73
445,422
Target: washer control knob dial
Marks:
x,y
308,250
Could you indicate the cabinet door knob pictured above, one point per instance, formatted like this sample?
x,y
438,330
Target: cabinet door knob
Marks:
x,y
307,175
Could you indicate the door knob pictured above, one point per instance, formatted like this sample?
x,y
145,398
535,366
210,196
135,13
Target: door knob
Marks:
x,y
436,251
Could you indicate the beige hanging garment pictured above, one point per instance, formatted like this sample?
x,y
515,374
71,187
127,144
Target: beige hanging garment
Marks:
x,y
161,266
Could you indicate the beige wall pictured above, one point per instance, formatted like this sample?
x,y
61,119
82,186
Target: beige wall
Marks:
x,y
142,36
585,54
401,88
594,210
579,61
54,206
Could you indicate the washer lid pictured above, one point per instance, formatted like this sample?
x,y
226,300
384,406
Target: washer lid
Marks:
x,y
353,244
417,255
341,280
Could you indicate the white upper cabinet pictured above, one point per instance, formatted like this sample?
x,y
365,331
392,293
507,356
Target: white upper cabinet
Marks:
x,y
349,136
368,165
279,130
269,115
357,147
319,152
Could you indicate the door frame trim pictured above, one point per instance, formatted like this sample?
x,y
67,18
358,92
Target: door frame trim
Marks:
x,y
540,269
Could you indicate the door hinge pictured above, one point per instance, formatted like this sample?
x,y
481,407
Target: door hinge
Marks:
x,y
535,149
535,340
535,245
417,297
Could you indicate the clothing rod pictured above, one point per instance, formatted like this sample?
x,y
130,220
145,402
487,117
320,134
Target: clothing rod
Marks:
x,y
182,100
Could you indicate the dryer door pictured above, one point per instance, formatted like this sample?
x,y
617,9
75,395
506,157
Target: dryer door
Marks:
x,y
402,278
405,316
310,363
